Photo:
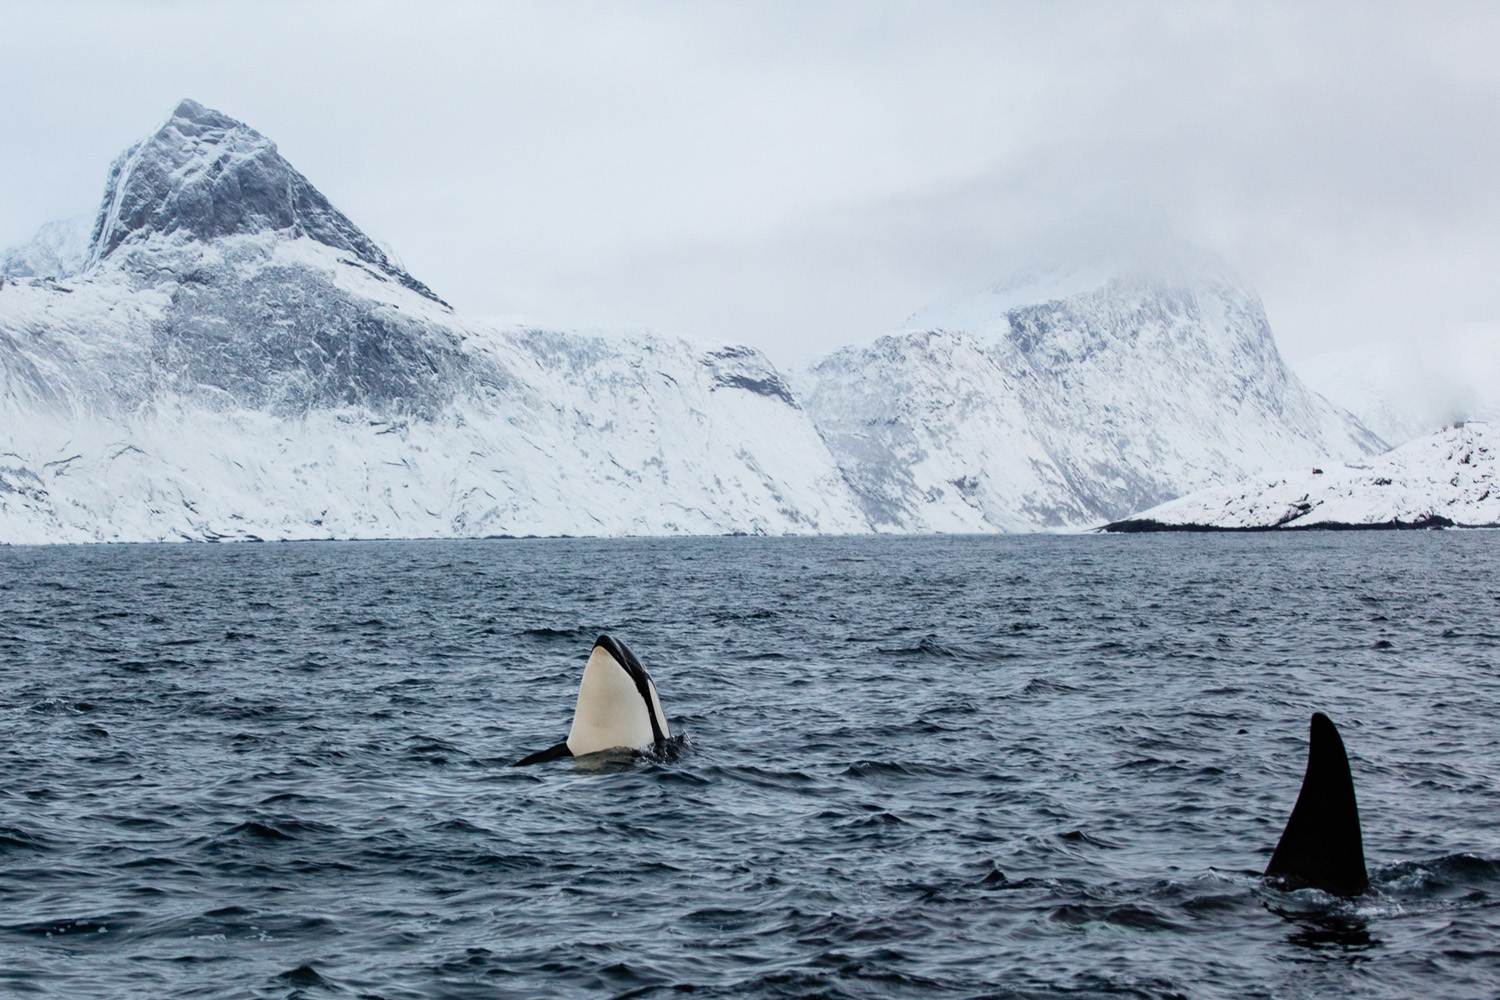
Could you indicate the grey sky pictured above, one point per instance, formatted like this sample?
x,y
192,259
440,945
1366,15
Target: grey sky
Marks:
x,y
796,175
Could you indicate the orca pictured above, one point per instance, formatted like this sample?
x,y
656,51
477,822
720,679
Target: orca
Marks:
x,y
1321,845
617,707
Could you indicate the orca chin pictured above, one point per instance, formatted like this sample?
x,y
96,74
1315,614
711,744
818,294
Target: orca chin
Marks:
x,y
1321,845
617,708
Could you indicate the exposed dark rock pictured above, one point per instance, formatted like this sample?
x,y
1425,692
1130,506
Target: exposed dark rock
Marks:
x,y
207,175
746,368
1141,525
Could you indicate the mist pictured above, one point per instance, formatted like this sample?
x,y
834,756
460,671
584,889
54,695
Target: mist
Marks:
x,y
799,177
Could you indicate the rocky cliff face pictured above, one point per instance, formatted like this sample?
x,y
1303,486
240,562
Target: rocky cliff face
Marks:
x,y
236,359
204,176
1069,411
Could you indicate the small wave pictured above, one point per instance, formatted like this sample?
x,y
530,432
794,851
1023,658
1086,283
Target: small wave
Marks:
x,y
558,633
761,777
154,861
15,839
1132,915
239,711
1436,877
283,797
879,819
459,826
55,706
1079,837
303,975
275,830
257,831
482,862
877,769
930,647
135,822
675,749
729,617
66,928
433,751
1042,685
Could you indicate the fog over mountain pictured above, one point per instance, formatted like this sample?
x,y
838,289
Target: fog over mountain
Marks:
x,y
1081,396
1401,393
799,177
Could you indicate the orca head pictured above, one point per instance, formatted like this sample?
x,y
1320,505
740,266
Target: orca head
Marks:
x,y
617,707
617,703
1321,845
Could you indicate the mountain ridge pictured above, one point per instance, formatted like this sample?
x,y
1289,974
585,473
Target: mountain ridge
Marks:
x,y
236,359
1099,403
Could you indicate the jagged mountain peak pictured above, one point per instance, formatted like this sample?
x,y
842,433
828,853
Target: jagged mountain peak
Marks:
x,y
206,175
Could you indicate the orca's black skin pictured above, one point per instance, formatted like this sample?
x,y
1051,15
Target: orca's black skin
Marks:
x,y
625,658
1321,845
542,756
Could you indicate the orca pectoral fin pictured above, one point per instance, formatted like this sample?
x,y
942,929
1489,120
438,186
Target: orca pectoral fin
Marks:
x,y
1321,845
541,756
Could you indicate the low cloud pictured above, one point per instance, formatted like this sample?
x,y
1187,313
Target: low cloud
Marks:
x,y
798,177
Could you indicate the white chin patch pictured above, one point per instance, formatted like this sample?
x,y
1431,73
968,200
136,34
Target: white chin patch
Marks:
x,y
610,712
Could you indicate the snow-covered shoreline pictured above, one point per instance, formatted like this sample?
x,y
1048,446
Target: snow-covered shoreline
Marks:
x,y
1442,480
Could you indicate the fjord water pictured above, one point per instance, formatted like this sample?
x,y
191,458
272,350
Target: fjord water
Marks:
x,y
914,767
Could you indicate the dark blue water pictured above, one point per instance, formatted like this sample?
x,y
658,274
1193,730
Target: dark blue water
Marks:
x,y
942,767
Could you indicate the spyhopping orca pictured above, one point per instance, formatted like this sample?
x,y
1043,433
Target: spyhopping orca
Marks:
x,y
617,707
1321,845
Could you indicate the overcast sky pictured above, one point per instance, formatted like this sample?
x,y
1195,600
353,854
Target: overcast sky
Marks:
x,y
800,175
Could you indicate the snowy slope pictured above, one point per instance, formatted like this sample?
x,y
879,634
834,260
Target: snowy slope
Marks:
x,y
237,360
1444,478
1125,391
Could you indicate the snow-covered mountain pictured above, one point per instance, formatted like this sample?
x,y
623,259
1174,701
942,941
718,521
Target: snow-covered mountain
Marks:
x,y
1442,479
1407,392
58,250
1074,399
234,358
226,355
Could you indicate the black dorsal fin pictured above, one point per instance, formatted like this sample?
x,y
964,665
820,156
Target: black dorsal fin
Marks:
x,y
1321,845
